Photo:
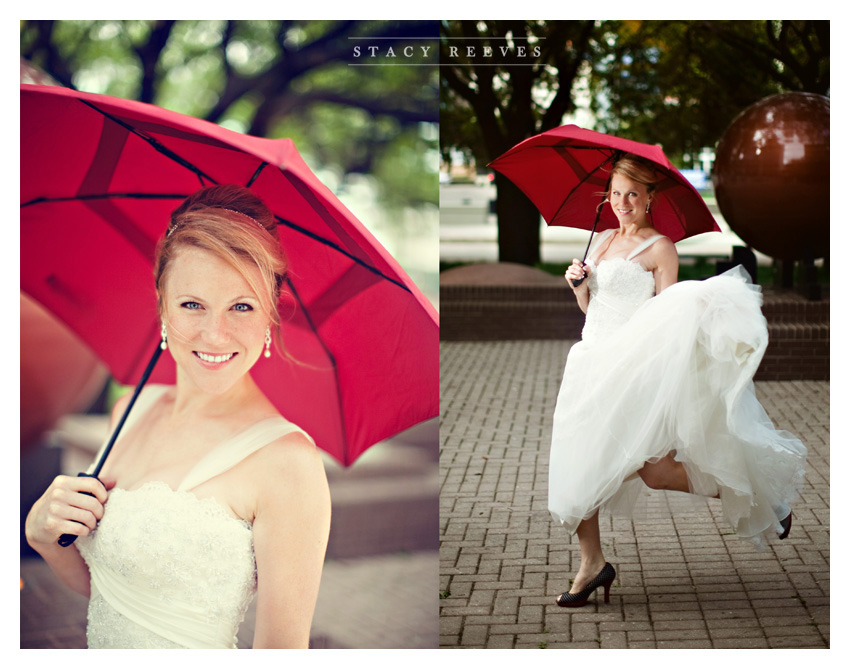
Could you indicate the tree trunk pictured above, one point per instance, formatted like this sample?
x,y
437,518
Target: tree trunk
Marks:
x,y
519,224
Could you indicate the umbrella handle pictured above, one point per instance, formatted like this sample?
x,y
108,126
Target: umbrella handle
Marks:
x,y
577,282
67,539
613,158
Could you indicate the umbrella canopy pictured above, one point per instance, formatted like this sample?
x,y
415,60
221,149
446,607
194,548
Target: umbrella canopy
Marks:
x,y
99,178
565,172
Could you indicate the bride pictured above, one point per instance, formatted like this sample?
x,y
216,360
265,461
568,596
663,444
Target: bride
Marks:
x,y
659,394
209,495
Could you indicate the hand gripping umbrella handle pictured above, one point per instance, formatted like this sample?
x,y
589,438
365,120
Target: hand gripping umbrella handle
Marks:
x,y
577,282
67,539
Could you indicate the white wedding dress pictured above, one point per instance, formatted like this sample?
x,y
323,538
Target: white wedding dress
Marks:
x,y
667,373
170,570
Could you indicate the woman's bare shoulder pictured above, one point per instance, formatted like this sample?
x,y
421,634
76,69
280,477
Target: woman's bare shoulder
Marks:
x,y
293,456
289,477
666,247
662,245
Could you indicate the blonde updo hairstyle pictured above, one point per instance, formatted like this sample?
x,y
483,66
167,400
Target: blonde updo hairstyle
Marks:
x,y
634,168
234,225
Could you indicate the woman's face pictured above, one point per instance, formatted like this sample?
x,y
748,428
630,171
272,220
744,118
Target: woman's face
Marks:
x,y
216,328
628,199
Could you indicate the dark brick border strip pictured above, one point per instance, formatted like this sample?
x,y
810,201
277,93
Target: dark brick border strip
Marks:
x,y
798,329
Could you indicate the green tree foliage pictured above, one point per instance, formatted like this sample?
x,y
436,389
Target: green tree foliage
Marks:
x,y
674,83
489,103
681,83
267,78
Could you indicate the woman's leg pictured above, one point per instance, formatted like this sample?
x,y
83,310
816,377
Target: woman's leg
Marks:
x,y
669,474
592,559
666,474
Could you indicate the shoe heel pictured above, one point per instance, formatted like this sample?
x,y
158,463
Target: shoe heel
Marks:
x,y
786,526
607,591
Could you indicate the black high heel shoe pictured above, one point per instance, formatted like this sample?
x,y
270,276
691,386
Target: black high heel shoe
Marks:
x,y
603,579
786,526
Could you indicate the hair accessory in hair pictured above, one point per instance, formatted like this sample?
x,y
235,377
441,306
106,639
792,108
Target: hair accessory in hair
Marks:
x,y
172,228
250,218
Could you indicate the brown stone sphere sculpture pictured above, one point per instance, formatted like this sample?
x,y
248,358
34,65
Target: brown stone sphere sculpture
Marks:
x,y
771,176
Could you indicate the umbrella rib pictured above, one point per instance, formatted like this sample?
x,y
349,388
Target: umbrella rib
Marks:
x,y
155,144
331,358
103,196
585,178
263,165
339,249
180,196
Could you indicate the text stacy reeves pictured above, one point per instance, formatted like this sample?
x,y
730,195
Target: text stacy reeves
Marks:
x,y
389,52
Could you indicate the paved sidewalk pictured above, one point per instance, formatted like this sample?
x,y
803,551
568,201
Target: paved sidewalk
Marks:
x,y
683,579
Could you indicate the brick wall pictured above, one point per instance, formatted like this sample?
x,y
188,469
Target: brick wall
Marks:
x,y
798,329
508,312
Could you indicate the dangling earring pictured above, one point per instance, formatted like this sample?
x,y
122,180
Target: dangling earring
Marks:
x,y
268,353
164,344
647,207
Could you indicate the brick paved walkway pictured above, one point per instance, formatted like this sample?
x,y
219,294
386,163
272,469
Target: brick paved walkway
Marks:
x,y
683,579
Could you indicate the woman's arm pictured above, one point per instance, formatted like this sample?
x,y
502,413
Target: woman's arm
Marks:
x,y
65,509
291,527
579,271
666,260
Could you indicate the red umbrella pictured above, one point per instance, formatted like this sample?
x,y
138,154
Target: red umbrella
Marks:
x,y
99,177
565,171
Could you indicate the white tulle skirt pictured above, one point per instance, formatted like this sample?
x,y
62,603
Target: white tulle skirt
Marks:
x,y
676,377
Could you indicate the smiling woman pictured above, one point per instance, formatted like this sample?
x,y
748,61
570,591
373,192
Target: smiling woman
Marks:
x,y
218,275
658,393
209,495
212,319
